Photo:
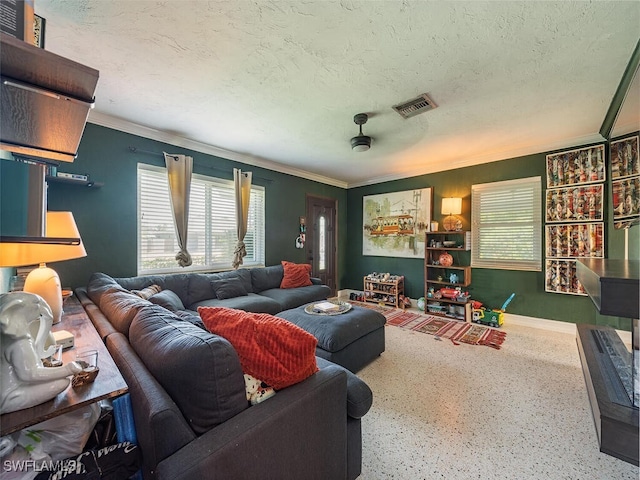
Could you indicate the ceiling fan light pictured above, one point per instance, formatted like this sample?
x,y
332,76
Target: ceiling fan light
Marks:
x,y
361,143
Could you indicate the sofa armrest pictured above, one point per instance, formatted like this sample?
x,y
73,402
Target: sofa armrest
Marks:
x,y
359,395
301,432
316,281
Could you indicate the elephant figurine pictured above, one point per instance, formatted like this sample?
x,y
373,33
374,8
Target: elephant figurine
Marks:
x,y
25,381
453,278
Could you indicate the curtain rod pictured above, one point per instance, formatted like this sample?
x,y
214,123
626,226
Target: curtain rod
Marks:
x,y
157,154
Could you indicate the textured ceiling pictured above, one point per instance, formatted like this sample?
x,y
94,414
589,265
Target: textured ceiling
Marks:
x,y
277,83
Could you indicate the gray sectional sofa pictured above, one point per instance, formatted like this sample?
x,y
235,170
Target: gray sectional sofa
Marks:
x,y
252,290
187,390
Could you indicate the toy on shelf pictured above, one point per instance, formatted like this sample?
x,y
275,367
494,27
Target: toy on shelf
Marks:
x,y
453,294
493,318
385,289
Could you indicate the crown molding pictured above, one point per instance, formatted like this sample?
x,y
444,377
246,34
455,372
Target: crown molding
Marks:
x,y
126,126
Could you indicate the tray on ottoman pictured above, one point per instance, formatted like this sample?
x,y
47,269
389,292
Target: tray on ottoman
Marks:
x,y
351,339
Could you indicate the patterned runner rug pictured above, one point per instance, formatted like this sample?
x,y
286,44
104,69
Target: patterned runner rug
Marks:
x,y
456,331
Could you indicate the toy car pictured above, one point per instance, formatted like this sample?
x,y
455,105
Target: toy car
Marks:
x,y
493,318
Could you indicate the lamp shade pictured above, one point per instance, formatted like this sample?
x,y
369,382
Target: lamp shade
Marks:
x,y
451,206
58,225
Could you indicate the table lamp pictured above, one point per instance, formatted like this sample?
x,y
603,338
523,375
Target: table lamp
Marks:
x,y
44,281
451,207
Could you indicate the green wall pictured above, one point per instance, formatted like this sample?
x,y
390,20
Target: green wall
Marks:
x,y
107,216
107,221
492,287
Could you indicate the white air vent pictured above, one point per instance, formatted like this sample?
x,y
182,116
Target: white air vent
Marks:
x,y
415,106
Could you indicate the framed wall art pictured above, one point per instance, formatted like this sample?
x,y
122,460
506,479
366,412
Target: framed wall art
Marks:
x,y
574,215
625,198
575,240
575,204
624,157
625,184
561,278
394,224
576,167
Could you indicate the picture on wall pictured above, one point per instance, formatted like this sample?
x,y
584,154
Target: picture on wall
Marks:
x,y
624,157
575,204
625,198
561,277
575,240
394,224
576,167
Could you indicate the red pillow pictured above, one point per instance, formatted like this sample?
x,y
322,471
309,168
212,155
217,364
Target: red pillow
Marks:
x,y
272,349
296,275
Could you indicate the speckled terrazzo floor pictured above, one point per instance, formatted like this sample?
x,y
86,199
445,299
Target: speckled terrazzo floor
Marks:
x,y
442,411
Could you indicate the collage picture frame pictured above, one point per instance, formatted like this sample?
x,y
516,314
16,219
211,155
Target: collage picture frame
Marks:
x,y
575,204
561,277
575,240
576,167
625,181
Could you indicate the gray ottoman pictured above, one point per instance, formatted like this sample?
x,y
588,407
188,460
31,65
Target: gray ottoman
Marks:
x,y
351,339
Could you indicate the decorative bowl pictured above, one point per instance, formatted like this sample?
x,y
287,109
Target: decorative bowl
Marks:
x,y
449,243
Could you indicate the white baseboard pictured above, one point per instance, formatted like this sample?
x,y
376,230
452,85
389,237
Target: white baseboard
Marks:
x,y
554,325
542,323
524,321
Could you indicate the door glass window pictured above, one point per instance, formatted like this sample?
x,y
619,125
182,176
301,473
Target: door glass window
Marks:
x,y
322,240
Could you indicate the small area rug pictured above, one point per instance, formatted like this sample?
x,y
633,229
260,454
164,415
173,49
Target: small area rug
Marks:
x,y
456,331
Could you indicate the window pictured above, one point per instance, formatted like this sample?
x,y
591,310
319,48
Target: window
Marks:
x,y
506,225
212,226
322,251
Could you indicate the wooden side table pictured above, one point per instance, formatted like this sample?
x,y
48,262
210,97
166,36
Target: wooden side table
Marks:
x,y
108,384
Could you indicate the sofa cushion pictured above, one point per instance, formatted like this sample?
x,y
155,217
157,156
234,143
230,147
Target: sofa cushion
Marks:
x,y
200,287
176,282
266,278
120,307
200,371
276,351
294,297
251,302
99,284
295,275
228,288
191,317
242,273
167,299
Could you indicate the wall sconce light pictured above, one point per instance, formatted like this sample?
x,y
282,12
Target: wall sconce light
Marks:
x,y
44,281
451,207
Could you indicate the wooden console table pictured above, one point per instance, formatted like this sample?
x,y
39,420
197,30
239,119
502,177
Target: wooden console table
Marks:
x,y
108,384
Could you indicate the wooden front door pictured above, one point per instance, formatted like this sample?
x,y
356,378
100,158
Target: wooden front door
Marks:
x,y
322,233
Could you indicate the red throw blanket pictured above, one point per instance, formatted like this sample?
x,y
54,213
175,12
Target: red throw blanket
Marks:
x,y
272,349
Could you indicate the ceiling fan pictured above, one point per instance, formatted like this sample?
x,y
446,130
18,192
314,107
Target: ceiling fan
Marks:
x,y
361,142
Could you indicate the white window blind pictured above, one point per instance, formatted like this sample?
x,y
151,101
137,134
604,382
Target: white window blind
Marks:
x,y
212,226
506,228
